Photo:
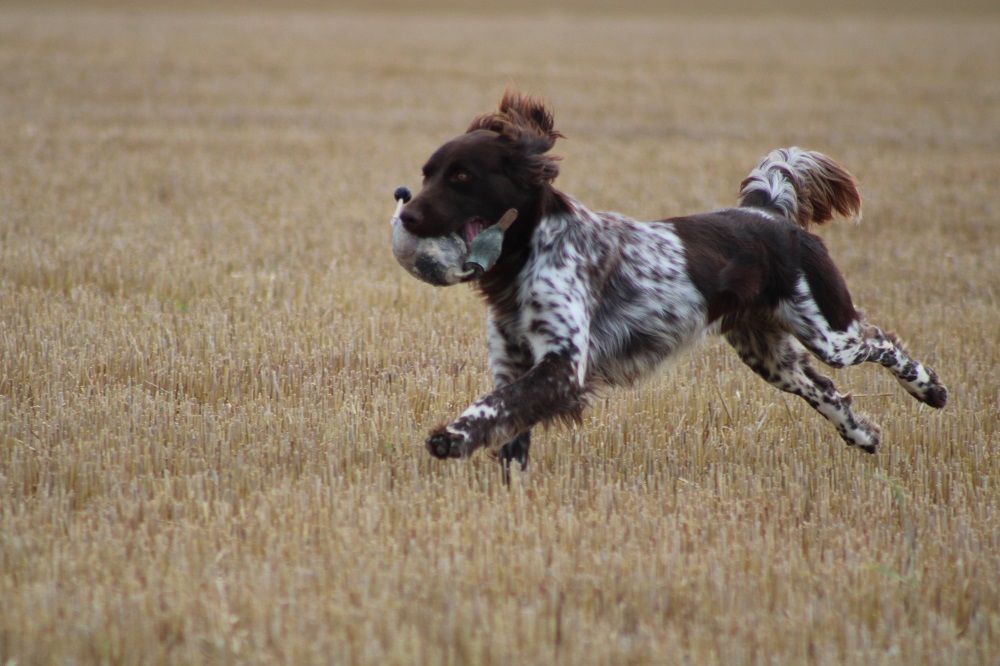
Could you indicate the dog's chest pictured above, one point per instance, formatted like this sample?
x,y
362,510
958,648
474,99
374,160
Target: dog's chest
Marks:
x,y
613,289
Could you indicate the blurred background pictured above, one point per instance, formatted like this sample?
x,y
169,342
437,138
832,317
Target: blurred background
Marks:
x,y
215,381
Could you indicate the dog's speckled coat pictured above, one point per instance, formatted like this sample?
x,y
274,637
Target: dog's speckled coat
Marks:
x,y
582,300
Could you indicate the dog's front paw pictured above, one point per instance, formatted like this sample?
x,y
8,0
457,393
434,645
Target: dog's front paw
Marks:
x,y
444,443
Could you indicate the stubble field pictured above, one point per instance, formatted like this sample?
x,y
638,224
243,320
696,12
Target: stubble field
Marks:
x,y
215,381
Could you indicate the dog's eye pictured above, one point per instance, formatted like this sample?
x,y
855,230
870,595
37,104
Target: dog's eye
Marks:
x,y
461,176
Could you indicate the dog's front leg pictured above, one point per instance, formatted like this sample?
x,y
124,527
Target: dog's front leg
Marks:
x,y
550,390
516,449
555,324
510,358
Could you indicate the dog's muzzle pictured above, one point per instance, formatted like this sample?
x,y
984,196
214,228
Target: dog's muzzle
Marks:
x,y
446,260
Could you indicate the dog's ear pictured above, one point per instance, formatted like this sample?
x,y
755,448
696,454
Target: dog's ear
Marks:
x,y
528,125
531,114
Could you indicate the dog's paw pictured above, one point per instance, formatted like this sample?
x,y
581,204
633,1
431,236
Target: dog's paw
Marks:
x,y
865,435
515,449
928,389
444,443
935,395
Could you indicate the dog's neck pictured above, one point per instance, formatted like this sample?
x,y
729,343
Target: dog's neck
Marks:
x,y
497,285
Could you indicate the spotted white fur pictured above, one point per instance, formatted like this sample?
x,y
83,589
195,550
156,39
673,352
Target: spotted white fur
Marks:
x,y
481,411
860,342
770,177
602,300
803,185
562,313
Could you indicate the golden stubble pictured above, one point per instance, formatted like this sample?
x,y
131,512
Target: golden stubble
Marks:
x,y
215,382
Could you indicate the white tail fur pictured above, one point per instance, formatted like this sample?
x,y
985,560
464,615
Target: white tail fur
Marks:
x,y
806,186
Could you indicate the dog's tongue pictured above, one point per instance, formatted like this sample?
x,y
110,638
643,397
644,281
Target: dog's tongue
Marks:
x,y
471,229
485,251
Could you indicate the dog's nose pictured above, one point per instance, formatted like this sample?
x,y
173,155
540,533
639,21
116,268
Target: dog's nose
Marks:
x,y
410,218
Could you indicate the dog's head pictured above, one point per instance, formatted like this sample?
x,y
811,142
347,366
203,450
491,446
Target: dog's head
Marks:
x,y
501,162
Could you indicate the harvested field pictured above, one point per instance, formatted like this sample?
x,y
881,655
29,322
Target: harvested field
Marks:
x,y
215,381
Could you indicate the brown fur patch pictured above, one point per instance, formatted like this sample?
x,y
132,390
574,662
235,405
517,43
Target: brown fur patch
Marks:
x,y
525,121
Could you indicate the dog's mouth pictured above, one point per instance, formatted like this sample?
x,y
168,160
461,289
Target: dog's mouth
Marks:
x,y
462,255
472,228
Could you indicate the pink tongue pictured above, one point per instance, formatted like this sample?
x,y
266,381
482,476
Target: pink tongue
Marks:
x,y
471,230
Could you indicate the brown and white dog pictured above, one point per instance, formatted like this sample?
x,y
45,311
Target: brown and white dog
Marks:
x,y
581,299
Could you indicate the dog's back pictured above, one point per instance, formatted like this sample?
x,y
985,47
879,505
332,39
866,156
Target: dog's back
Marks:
x,y
580,298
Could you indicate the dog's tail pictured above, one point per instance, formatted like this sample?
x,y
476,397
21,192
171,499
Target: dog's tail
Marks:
x,y
803,185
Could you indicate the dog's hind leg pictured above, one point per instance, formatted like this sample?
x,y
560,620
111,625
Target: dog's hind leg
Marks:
x,y
920,381
781,360
859,342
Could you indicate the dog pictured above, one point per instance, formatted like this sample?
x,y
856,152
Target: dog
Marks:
x,y
580,300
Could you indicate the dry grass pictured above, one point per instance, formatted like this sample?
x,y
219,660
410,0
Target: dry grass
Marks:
x,y
214,381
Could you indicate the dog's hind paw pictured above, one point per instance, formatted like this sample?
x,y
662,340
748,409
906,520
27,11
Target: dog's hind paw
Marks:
x,y
865,435
936,396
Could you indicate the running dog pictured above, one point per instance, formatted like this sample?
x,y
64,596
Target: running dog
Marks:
x,y
580,300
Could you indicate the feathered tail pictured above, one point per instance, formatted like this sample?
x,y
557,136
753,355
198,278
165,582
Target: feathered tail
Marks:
x,y
803,185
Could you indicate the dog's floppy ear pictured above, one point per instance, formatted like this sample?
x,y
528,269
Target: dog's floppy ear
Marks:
x,y
528,125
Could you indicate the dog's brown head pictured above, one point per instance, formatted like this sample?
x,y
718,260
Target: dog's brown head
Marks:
x,y
501,162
